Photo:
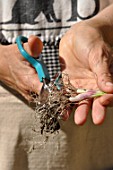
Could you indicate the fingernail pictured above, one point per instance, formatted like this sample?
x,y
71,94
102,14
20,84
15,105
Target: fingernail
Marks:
x,y
109,84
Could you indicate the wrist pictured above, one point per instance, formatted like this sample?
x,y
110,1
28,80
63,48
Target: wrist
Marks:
x,y
104,23
104,28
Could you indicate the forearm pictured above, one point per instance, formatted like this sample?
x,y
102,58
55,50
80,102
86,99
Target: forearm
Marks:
x,y
104,22
1,59
3,62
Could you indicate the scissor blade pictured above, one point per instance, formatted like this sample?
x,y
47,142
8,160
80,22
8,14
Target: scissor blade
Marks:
x,y
44,93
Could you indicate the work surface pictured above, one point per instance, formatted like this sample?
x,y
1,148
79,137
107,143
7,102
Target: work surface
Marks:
x,y
87,147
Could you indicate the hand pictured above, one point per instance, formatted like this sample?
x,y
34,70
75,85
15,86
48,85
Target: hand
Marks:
x,y
88,60
16,72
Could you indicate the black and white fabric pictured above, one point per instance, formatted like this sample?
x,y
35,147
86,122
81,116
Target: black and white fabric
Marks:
x,y
48,19
50,56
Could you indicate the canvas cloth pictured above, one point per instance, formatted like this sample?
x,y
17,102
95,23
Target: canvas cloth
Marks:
x,y
86,147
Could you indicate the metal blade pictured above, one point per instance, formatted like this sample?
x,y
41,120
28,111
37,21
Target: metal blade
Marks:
x,y
43,96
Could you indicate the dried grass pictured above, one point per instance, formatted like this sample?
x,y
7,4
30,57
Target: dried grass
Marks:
x,y
55,105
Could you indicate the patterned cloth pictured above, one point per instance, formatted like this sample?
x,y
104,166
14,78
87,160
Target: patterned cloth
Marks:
x,y
45,19
50,55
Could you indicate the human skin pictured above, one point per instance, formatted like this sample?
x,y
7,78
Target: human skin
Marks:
x,y
86,52
16,72
87,57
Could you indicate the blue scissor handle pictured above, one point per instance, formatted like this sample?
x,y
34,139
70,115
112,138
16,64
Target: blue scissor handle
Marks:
x,y
38,64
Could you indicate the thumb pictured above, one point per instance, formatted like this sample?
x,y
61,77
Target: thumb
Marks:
x,y
34,46
100,67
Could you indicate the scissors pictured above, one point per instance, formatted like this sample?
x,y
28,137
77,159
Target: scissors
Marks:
x,y
39,66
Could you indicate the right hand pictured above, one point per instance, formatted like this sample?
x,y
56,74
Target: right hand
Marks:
x,y
16,72
87,59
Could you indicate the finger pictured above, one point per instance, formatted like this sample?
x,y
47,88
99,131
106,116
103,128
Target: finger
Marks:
x,y
98,112
23,93
32,83
27,97
35,45
106,100
36,85
99,62
65,115
81,112
28,80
